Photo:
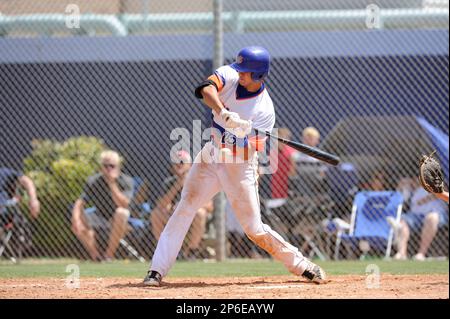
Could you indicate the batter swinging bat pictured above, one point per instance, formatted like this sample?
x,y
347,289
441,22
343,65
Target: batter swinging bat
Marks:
x,y
308,150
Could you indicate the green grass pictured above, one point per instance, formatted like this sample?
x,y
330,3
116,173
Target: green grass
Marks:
x,y
237,268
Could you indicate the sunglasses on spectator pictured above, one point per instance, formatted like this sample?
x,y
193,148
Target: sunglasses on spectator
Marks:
x,y
109,165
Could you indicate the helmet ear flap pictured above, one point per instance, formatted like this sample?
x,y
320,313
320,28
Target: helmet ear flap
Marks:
x,y
258,76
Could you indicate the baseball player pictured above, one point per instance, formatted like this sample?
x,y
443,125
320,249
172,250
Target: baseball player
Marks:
x,y
239,101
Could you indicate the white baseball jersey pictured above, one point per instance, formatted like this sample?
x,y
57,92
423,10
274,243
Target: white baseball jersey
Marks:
x,y
238,180
254,106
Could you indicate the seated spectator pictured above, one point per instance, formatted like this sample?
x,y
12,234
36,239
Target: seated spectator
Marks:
x,y
282,168
166,203
310,137
310,198
310,171
426,215
283,162
110,192
10,182
376,182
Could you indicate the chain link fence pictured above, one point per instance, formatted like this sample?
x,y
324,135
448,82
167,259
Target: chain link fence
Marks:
x,y
365,80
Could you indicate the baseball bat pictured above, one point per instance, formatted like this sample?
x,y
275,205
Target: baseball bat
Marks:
x,y
308,150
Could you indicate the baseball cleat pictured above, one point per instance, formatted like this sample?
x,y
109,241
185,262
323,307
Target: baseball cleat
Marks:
x,y
314,273
153,279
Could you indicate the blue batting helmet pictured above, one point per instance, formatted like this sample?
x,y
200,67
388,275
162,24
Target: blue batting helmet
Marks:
x,y
253,59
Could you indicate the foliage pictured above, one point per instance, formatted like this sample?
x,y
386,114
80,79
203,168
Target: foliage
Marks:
x,y
59,171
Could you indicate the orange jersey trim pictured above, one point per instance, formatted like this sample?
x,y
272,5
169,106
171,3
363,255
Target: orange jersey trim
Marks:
x,y
217,80
257,142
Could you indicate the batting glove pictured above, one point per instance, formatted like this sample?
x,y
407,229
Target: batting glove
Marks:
x,y
231,119
244,129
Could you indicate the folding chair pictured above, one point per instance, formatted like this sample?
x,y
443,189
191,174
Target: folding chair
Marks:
x,y
15,234
342,186
368,220
6,225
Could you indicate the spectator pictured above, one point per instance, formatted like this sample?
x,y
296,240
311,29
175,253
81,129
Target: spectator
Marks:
x,y
282,166
377,182
427,214
10,180
310,137
310,196
310,170
166,203
109,192
283,161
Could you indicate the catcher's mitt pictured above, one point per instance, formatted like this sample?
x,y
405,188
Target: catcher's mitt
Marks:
x,y
430,174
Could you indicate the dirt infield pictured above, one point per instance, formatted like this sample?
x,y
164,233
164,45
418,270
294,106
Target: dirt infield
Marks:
x,y
286,287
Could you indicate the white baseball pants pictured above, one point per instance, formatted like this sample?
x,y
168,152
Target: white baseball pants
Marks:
x,y
239,182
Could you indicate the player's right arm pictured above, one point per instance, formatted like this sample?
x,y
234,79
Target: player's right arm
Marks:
x,y
210,96
209,91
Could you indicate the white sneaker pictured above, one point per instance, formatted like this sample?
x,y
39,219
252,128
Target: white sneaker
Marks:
x,y
419,257
399,256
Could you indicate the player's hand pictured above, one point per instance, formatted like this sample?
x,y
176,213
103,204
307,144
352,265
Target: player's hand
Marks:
x,y
34,206
111,176
244,129
231,119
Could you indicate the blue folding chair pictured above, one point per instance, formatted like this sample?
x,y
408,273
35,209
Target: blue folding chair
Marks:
x,y
368,220
342,183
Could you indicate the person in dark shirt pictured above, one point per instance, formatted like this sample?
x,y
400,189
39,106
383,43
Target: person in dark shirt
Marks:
x,y
110,192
